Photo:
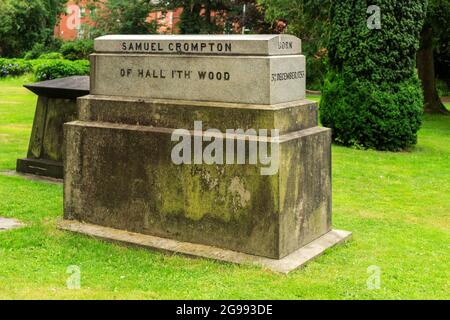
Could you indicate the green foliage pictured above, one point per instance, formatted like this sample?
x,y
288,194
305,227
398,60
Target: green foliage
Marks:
x,y
362,114
38,49
54,69
308,20
122,17
443,88
77,50
48,67
196,17
372,97
438,17
51,56
254,19
26,22
207,17
14,67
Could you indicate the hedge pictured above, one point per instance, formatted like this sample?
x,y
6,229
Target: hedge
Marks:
x,y
14,67
43,69
53,69
51,56
77,50
372,97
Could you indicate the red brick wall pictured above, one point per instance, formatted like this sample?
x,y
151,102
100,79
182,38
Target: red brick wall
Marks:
x,y
70,26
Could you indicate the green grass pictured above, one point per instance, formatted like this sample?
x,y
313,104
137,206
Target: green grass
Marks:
x,y
396,204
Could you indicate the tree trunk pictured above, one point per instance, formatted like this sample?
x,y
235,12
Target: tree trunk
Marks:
x,y
425,66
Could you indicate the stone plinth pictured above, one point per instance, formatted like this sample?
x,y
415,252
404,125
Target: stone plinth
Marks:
x,y
56,105
120,174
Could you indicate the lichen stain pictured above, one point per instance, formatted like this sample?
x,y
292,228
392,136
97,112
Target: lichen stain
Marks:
x,y
238,187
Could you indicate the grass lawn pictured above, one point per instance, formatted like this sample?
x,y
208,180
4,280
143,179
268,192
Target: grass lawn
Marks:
x,y
396,204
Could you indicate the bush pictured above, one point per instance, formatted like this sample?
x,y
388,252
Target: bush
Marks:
x,y
77,50
316,69
51,56
54,69
14,67
372,97
39,49
387,117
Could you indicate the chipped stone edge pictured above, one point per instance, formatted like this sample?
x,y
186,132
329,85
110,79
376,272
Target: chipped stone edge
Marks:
x,y
290,263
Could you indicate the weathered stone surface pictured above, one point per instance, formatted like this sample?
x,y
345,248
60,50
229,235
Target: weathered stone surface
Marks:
x,y
122,179
40,167
234,79
56,105
45,154
179,114
8,224
295,260
47,133
200,44
122,176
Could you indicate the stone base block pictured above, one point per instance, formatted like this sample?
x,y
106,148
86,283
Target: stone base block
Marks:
x,y
289,263
119,173
123,177
40,167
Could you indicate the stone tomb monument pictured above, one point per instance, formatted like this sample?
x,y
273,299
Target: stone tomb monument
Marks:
x,y
127,178
57,104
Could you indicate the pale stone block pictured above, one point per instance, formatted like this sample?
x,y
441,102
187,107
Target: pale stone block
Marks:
x,y
243,79
266,45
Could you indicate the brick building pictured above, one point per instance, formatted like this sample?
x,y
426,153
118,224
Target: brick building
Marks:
x,y
77,14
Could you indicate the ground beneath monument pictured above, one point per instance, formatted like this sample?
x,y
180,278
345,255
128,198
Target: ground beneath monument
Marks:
x,y
290,263
394,203
31,177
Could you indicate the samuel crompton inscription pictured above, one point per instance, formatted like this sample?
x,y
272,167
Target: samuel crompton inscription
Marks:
x,y
200,44
267,76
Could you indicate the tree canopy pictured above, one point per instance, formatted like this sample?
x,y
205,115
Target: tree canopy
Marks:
x,y
122,17
433,58
26,22
308,20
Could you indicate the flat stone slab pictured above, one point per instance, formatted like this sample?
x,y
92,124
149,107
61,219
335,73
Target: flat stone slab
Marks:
x,y
8,224
182,114
234,79
63,88
290,263
267,45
